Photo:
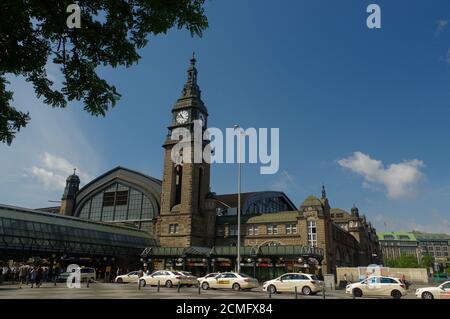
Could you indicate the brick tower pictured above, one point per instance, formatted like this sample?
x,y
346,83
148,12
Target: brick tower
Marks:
x,y
187,216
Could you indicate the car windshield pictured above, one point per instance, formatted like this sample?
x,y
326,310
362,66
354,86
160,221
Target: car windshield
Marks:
x,y
244,275
315,277
177,273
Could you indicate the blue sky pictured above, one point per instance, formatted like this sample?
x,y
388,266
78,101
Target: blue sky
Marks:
x,y
312,69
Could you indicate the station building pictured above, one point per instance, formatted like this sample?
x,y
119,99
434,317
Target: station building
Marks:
x,y
190,227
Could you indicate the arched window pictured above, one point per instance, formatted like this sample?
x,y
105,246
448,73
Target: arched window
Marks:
x,y
199,195
119,203
178,183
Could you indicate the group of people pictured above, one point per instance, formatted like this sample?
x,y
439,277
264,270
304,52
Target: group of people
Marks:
x,y
25,274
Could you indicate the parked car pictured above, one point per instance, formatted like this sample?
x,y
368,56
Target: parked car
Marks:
x,y
167,278
378,286
130,277
440,292
189,279
211,275
307,284
229,280
86,273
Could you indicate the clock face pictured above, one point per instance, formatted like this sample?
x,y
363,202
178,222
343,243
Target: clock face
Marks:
x,y
182,117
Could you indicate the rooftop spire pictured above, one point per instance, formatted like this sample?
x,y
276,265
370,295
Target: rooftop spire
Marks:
x,y
324,193
193,60
191,88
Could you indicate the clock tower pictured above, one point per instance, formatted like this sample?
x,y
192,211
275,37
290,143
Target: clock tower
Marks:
x,y
187,215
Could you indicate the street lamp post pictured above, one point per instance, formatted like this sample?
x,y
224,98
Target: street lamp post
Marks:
x,y
238,261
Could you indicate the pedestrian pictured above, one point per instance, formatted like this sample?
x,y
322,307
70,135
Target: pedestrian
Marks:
x,y
33,274
345,279
22,274
39,275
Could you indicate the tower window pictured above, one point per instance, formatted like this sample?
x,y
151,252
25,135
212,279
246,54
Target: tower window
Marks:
x,y
173,229
200,178
178,183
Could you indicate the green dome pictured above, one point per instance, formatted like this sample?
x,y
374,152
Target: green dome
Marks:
x,y
312,201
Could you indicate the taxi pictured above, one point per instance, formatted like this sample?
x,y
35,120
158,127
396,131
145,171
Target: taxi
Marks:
x,y
439,292
229,280
307,284
167,278
130,277
378,286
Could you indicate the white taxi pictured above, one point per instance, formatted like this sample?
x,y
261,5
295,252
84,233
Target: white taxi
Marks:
x,y
130,277
439,292
167,278
229,280
307,284
378,286
211,275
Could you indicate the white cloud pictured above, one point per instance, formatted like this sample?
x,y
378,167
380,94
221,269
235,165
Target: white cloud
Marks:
x,y
399,179
53,171
442,25
45,152
49,179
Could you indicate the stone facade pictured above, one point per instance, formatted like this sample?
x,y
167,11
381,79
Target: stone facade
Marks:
x,y
340,247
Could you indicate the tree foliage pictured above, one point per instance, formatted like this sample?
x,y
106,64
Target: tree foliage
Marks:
x,y
410,261
405,261
33,33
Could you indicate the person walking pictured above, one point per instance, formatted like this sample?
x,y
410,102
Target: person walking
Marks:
x,y
39,275
22,274
33,274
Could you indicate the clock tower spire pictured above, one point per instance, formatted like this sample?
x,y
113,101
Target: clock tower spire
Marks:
x,y
187,215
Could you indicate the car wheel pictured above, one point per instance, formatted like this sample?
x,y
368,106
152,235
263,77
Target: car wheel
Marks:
x,y
120,281
142,282
169,284
236,287
272,289
357,292
396,294
306,291
427,295
205,286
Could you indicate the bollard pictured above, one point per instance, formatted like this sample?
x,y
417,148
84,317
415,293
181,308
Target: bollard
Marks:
x,y
199,289
178,287
159,286
353,294
296,293
54,282
139,284
323,292
88,281
270,293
